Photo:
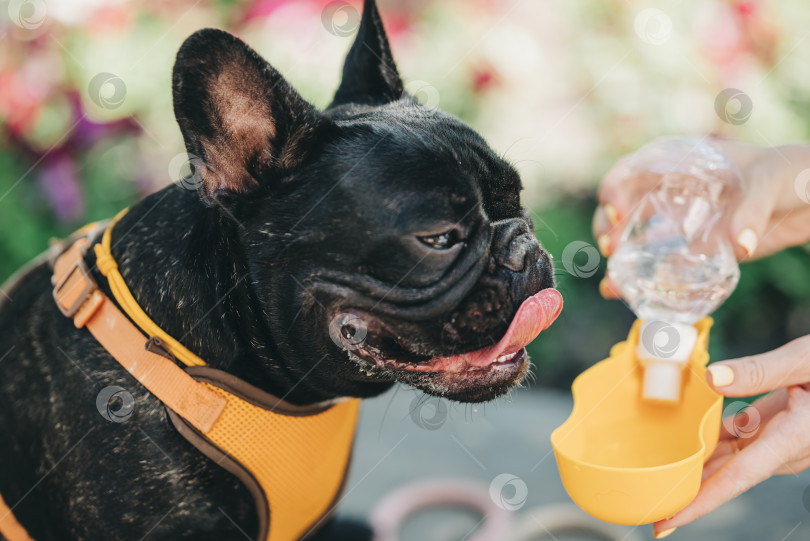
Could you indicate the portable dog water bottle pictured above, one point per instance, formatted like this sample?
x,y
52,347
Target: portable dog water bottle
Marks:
x,y
645,420
628,460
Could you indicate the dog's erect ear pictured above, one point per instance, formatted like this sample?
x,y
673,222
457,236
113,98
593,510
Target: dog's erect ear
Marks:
x,y
369,75
244,126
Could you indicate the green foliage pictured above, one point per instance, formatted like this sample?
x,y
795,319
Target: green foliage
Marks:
x,y
589,325
26,220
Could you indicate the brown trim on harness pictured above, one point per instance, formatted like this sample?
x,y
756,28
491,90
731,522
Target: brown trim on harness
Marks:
x,y
254,395
224,460
264,400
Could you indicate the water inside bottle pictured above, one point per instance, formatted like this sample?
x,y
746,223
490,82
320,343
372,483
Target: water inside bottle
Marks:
x,y
677,286
675,261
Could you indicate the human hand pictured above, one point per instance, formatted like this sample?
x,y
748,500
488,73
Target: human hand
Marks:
x,y
771,437
774,212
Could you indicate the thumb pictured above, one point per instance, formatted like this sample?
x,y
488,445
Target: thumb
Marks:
x,y
750,221
748,376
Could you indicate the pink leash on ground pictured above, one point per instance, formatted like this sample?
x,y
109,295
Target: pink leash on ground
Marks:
x,y
498,524
393,510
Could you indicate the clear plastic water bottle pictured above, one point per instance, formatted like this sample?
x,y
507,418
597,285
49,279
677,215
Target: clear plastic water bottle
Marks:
x,y
675,261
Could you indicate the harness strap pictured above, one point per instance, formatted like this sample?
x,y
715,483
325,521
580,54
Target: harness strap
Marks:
x,y
78,297
10,529
293,459
107,265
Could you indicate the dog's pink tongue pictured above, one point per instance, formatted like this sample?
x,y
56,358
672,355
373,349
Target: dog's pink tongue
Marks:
x,y
536,314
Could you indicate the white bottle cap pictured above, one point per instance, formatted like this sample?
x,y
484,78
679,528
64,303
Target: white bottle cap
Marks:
x,y
662,381
664,350
664,341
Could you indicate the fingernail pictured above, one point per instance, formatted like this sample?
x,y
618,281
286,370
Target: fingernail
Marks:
x,y
604,244
604,290
722,375
748,240
665,533
612,215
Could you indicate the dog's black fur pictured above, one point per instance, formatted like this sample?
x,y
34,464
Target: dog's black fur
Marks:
x,y
377,207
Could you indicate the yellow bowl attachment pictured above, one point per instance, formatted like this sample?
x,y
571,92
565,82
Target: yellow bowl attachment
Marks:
x,y
626,460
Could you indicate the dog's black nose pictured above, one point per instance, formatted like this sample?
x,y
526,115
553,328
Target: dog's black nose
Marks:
x,y
514,245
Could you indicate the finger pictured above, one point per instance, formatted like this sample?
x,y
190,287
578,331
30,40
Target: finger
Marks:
x,y
793,468
750,220
600,222
607,229
786,433
602,230
614,189
747,468
714,465
747,376
605,219
620,192
744,424
781,447
785,230
725,447
608,289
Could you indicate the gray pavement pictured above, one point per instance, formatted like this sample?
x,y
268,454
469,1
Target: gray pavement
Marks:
x,y
512,436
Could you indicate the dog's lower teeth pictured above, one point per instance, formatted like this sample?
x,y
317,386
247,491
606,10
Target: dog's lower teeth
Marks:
x,y
506,358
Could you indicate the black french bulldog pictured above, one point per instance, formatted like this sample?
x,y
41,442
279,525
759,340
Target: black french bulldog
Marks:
x,y
377,216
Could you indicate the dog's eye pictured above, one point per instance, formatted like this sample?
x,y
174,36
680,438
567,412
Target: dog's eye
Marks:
x,y
442,241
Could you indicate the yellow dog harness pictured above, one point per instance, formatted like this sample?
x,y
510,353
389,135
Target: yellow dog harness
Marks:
x,y
293,459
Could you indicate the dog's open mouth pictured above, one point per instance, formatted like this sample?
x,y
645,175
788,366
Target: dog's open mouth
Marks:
x,y
502,359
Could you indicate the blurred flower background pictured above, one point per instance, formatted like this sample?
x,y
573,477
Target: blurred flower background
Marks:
x,y
561,88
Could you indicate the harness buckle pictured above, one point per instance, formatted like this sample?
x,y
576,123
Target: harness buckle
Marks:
x,y
158,347
73,291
